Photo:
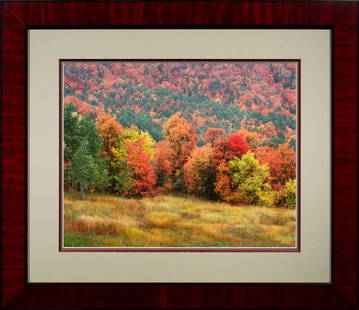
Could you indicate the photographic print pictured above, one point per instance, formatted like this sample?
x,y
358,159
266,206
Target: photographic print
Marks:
x,y
179,154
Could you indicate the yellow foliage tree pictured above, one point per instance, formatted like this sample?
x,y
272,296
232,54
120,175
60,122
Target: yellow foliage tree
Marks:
x,y
122,172
133,134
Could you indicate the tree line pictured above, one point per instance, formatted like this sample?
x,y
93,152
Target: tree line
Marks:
x,y
101,154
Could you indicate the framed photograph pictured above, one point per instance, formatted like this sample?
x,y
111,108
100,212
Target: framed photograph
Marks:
x,y
178,154
179,157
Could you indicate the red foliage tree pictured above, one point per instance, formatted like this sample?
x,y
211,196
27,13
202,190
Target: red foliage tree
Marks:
x,y
163,164
143,175
226,148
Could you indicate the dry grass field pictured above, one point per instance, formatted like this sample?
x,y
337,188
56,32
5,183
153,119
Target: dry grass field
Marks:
x,y
170,221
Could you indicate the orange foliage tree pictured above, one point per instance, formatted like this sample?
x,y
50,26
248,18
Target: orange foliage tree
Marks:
x,y
253,138
223,185
109,130
182,138
199,172
281,162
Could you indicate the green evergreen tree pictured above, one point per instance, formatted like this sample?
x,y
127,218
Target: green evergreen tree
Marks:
x,y
85,172
71,132
84,167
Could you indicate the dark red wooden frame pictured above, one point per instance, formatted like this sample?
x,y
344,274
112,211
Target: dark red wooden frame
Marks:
x,y
341,17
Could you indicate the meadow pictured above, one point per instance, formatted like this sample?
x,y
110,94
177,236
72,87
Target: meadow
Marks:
x,y
173,221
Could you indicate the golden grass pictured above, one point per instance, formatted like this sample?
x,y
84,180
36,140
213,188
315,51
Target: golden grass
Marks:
x,y
104,220
161,219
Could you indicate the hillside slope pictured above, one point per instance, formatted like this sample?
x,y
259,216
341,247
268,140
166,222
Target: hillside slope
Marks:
x,y
208,94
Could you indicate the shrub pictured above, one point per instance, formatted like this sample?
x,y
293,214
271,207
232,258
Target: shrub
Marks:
x,y
267,198
286,198
290,191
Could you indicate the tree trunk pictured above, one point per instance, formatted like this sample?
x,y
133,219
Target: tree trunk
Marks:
x,y
82,192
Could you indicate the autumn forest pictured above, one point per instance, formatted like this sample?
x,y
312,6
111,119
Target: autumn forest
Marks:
x,y
179,154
